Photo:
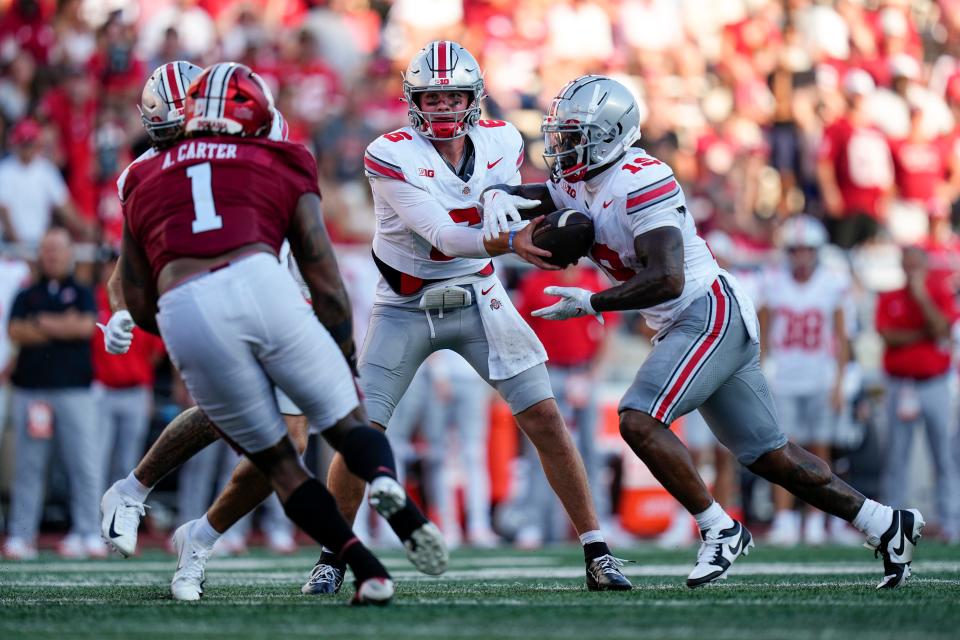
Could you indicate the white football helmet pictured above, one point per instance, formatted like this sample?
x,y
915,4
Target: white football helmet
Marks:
x,y
591,123
443,65
161,103
801,231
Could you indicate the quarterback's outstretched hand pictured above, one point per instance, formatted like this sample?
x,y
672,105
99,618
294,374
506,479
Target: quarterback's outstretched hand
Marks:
x,y
574,302
500,209
118,332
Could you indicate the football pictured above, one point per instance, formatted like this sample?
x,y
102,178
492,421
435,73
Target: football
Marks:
x,y
565,233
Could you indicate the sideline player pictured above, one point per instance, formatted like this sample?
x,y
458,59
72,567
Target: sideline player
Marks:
x,y
802,325
438,291
706,352
203,223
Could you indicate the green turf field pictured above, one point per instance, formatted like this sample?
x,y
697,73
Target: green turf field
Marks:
x,y
796,594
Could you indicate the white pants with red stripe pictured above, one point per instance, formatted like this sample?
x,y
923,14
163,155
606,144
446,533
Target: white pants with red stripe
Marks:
x,y
707,361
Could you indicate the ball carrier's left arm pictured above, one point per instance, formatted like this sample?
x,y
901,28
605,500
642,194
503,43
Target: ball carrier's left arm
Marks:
x,y
137,286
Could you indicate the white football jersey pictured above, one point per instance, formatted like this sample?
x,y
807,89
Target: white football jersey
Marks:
x,y
14,275
801,332
405,155
636,195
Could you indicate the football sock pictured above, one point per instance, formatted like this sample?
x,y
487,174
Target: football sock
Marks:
x,y
873,519
713,516
204,533
329,557
367,453
407,520
315,511
133,488
593,545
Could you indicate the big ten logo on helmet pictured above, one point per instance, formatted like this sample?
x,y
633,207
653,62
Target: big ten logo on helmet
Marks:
x,y
427,173
440,81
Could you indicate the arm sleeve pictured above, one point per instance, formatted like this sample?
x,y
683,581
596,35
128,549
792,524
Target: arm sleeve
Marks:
x,y
421,212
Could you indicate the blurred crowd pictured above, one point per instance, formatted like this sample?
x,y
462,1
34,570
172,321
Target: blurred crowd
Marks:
x,y
845,110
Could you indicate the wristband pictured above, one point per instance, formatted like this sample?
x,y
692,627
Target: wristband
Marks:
x,y
510,240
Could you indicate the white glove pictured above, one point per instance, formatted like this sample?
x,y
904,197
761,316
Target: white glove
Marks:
x,y
574,302
499,209
118,332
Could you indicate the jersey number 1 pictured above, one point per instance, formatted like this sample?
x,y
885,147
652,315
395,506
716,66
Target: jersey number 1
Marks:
x,y
205,216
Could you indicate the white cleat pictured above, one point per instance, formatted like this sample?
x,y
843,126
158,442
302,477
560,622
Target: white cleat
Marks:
x,y
897,545
427,550
785,531
719,550
187,584
375,591
19,549
387,497
119,520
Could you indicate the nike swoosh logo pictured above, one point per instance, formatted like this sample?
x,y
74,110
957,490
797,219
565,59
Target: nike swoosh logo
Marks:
x,y
491,165
903,538
735,549
607,203
486,291
113,532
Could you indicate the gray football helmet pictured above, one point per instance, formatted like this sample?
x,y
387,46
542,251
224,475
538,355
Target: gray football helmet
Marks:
x,y
443,65
591,123
161,103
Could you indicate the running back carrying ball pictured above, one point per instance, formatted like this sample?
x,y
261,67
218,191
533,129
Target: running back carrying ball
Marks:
x,y
567,234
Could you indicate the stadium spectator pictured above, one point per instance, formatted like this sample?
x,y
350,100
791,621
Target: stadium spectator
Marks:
x,y
52,321
914,323
14,275
854,168
32,191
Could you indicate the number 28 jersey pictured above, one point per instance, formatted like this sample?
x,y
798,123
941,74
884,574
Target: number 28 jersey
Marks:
x,y
638,194
801,331
207,196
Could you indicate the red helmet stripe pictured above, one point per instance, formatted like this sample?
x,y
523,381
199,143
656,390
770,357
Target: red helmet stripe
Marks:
x,y
443,58
174,93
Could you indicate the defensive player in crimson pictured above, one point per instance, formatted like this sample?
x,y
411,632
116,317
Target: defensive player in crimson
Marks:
x,y
203,224
122,506
438,291
706,351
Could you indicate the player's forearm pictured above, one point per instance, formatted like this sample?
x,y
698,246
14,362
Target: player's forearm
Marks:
x,y
137,285
534,191
647,289
115,289
461,242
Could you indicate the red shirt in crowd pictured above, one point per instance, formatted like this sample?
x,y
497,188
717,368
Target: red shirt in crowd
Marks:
x,y
898,310
861,159
918,168
571,342
134,368
75,124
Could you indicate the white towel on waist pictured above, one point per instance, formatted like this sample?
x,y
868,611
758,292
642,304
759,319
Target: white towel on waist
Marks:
x,y
747,311
514,347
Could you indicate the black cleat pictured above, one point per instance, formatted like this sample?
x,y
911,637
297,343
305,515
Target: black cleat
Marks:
x,y
325,578
603,574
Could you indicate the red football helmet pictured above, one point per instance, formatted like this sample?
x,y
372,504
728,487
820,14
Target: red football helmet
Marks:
x,y
229,99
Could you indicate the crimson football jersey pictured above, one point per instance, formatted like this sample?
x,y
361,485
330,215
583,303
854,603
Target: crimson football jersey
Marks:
x,y
206,196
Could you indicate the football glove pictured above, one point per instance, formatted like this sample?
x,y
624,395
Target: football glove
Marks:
x,y
118,332
574,302
500,209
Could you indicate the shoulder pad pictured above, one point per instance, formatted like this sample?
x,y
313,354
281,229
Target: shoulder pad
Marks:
x,y
644,182
122,180
382,160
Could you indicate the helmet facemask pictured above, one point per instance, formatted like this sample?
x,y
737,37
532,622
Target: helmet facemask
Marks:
x,y
443,125
567,149
162,133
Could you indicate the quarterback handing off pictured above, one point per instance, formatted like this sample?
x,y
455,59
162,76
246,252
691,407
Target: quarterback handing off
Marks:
x,y
438,290
203,222
706,351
